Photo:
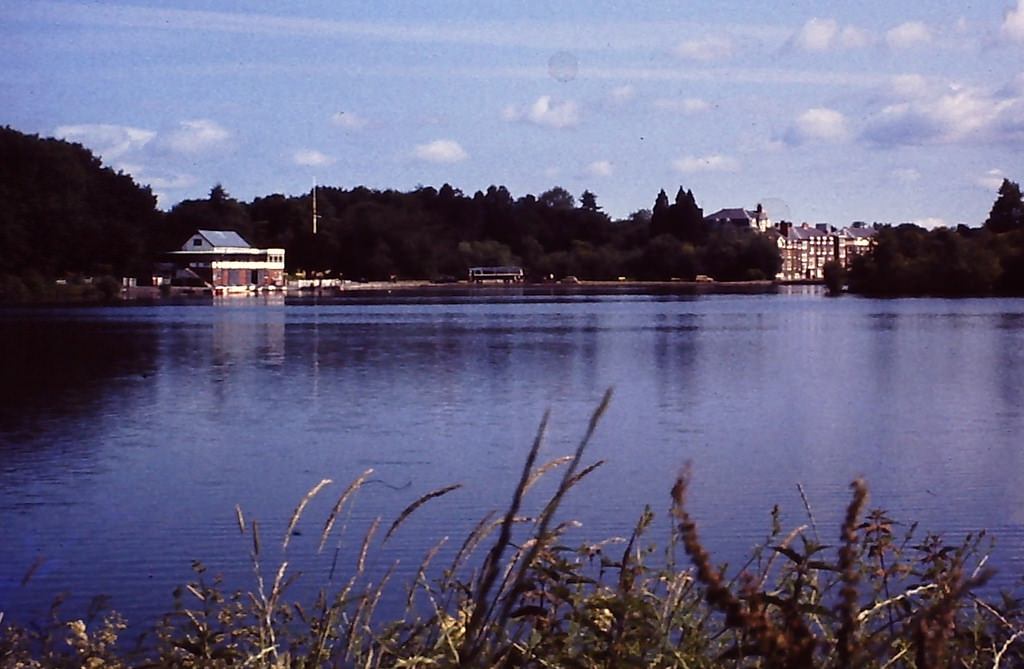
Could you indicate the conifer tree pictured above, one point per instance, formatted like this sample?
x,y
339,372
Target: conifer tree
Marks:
x,y
1008,210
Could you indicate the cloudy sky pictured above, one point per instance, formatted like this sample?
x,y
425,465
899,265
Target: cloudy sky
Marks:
x,y
822,110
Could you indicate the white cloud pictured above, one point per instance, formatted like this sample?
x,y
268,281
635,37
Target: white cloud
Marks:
x,y
705,49
162,182
910,86
196,136
714,163
348,121
441,151
1013,22
146,154
906,35
311,158
545,113
991,180
686,106
600,168
111,142
171,181
853,38
816,34
116,142
823,34
571,33
932,222
818,125
950,115
128,149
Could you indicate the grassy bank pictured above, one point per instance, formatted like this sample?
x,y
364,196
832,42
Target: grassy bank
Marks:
x,y
875,594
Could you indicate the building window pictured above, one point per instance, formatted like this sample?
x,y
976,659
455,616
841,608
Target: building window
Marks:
x,y
197,241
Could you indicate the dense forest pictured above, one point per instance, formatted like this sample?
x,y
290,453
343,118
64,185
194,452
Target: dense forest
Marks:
x,y
909,260
432,233
62,213
64,216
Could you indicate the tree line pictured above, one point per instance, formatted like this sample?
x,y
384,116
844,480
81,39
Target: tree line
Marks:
x,y
909,260
436,233
63,214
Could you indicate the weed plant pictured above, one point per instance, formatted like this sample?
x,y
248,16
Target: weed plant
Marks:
x,y
515,595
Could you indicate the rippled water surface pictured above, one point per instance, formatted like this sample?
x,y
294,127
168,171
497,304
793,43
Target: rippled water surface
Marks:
x,y
129,434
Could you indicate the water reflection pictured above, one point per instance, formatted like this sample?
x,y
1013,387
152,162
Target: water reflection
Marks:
x,y
66,369
128,435
1009,335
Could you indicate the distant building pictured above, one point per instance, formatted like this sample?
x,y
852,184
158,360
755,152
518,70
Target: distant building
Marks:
x,y
805,249
224,262
743,218
855,241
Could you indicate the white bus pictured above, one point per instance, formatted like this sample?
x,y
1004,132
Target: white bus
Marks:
x,y
506,274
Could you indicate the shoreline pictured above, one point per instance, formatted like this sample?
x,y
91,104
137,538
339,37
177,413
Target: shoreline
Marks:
x,y
460,288
409,289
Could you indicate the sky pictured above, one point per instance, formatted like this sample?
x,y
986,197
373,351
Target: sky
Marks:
x,y
822,111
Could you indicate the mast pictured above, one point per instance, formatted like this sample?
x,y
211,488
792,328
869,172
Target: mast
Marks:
x,y
314,206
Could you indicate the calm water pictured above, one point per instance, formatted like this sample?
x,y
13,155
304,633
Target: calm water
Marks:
x,y
129,434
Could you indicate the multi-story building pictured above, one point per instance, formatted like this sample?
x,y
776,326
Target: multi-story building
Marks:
x,y
805,249
743,218
855,241
224,262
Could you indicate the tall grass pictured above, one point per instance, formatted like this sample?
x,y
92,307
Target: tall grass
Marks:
x,y
514,594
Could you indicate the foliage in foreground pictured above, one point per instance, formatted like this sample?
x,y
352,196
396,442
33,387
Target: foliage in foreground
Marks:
x,y
879,598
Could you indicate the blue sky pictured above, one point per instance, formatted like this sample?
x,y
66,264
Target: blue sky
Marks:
x,y
823,111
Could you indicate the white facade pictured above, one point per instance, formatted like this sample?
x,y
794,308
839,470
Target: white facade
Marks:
x,y
224,261
805,249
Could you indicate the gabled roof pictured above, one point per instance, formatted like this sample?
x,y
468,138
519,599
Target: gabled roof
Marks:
x,y
221,238
736,214
740,216
859,233
800,232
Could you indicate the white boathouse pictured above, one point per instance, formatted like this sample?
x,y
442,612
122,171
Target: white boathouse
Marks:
x,y
224,262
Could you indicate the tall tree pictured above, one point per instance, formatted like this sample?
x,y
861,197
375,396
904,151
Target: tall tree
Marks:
x,y
683,219
219,211
588,201
557,198
661,202
659,216
690,218
1008,210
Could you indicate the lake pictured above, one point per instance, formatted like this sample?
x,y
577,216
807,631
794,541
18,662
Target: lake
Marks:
x,y
129,433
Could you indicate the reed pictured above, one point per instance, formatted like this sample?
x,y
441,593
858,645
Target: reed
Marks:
x,y
885,599
408,511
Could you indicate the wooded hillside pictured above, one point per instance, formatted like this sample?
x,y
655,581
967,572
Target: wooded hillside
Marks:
x,y
65,214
